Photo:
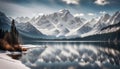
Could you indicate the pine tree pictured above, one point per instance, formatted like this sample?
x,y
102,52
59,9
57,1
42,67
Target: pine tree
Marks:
x,y
14,34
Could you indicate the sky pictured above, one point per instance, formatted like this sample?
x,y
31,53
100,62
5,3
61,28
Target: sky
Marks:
x,y
83,8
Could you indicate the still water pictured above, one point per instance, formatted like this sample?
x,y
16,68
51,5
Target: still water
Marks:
x,y
73,55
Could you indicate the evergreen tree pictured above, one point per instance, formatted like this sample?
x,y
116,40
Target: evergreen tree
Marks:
x,y
14,34
2,33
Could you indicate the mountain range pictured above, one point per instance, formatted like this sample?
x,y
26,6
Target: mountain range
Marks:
x,y
63,25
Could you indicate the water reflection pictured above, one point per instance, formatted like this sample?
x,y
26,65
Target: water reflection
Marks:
x,y
73,55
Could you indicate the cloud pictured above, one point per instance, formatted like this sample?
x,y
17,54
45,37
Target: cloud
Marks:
x,y
103,12
101,2
79,15
14,10
76,2
91,14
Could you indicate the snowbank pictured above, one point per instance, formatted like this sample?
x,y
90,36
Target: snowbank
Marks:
x,y
7,62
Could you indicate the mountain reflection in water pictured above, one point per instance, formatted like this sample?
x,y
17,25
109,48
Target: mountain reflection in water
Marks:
x,y
73,55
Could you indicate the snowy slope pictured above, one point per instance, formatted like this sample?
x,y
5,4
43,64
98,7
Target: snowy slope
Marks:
x,y
97,25
61,24
84,28
110,28
29,30
101,23
105,21
115,18
58,23
88,26
108,20
4,21
7,62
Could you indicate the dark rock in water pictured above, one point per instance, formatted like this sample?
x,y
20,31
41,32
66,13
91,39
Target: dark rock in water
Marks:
x,y
117,61
45,59
111,61
79,58
15,56
71,59
57,60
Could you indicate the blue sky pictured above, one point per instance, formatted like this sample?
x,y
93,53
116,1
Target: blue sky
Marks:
x,y
31,8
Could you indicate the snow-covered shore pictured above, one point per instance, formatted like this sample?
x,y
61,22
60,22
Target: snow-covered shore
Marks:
x,y
7,62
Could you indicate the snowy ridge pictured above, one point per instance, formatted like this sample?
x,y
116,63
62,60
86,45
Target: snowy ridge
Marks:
x,y
22,19
64,24
27,29
104,21
60,23
115,18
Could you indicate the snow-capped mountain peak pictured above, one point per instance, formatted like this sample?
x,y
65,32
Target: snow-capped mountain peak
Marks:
x,y
64,24
2,14
105,17
115,18
96,24
64,11
58,23
22,19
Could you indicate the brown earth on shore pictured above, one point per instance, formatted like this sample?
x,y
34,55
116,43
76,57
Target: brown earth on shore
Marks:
x,y
4,45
